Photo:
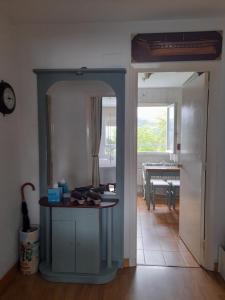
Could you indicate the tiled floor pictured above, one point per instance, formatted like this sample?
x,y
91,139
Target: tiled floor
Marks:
x,y
158,242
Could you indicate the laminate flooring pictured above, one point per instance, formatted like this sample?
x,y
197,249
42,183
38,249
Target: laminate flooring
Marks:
x,y
158,241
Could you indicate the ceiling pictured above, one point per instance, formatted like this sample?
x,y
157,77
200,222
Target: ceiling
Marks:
x,y
163,79
74,11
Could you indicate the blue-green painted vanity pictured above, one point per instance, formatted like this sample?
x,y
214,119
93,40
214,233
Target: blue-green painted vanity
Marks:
x,y
75,242
81,244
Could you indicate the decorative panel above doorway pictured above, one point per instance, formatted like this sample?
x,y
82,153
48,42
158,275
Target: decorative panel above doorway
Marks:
x,y
176,46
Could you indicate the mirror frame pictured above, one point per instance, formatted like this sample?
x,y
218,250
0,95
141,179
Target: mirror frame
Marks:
x,y
115,78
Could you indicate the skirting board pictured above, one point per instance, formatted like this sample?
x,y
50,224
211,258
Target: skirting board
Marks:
x,y
8,278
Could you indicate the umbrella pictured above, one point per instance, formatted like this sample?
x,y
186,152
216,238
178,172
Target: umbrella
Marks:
x,y
24,209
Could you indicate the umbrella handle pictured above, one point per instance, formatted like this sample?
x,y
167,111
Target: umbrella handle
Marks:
x,y
22,189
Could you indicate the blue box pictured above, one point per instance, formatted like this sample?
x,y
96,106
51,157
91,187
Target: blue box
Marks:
x,y
54,195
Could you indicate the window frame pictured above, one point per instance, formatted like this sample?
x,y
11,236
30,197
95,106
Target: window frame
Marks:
x,y
173,150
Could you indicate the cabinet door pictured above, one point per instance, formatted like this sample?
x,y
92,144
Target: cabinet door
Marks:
x,y
87,241
63,246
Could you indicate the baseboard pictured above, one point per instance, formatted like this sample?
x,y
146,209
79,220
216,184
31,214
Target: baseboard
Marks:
x,y
126,263
8,278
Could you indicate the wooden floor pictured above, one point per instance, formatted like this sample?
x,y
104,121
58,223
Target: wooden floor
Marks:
x,y
141,283
158,241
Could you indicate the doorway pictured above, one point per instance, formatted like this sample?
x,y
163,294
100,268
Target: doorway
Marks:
x,y
171,155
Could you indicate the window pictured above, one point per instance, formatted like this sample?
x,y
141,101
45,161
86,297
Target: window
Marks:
x,y
107,152
110,141
156,128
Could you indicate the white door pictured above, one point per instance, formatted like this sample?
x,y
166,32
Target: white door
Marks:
x,y
193,162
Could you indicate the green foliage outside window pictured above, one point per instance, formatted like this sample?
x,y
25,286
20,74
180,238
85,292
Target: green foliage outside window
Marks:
x,y
152,135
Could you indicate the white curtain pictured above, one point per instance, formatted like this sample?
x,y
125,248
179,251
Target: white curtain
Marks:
x,y
96,127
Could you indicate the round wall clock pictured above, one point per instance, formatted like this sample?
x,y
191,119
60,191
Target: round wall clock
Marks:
x,y
7,98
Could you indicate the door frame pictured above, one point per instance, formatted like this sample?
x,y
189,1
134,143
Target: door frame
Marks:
x,y
212,69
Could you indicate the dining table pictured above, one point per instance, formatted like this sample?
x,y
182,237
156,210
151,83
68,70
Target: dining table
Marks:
x,y
160,172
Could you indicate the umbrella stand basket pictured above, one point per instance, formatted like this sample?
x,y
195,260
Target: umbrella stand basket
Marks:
x,y
29,251
28,239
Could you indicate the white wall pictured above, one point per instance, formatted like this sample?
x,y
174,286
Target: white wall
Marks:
x,y
108,45
10,199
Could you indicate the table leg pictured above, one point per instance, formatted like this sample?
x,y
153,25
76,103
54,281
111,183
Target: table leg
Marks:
x,y
174,197
148,190
153,197
109,237
170,195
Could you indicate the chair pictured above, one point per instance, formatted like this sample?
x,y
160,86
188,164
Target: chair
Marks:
x,y
174,190
144,177
159,181
162,186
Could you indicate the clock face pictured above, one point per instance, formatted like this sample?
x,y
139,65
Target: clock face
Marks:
x,y
9,98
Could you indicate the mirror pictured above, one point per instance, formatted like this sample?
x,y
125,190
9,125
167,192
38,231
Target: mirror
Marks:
x,y
81,133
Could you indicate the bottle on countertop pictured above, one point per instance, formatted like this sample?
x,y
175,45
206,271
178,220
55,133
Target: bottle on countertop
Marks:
x,y
63,184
